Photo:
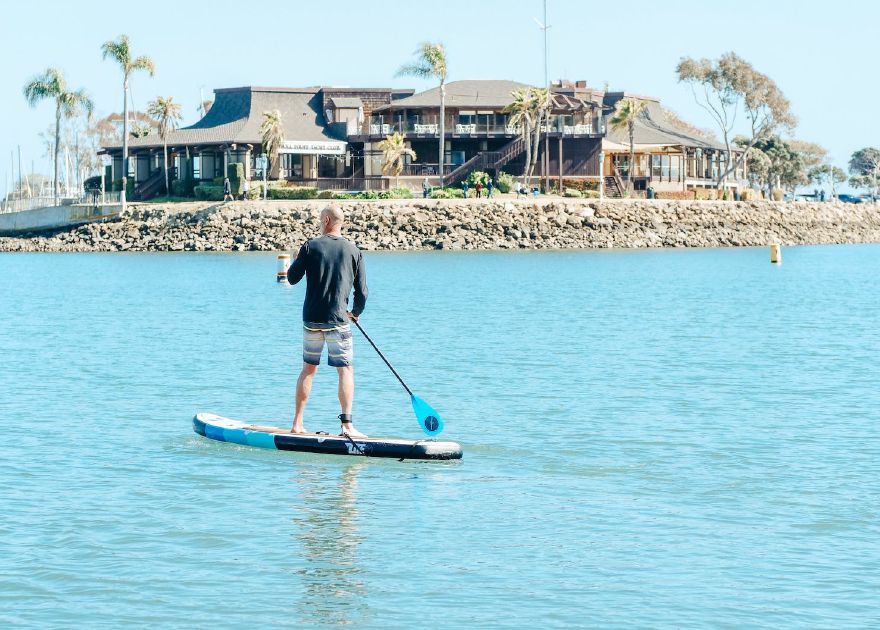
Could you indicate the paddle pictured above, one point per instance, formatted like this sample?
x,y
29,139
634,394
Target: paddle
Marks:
x,y
429,419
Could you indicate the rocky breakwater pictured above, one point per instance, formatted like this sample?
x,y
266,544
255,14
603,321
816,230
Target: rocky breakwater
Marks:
x,y
467,225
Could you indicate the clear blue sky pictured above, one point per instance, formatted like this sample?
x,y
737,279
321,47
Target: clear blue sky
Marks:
x,y
823,55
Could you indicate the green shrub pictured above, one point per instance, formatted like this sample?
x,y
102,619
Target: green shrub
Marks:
x,y
580,184
217,181
396,193
179,188
777,194
572,192
590,194
477,176
344,196
129,187
367,194
439,193
504,182
326,194
299,192
208,192
235,173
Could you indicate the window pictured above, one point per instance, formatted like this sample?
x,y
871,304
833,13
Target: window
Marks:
x,y
291,165
197,167
674,168
655,166
664,167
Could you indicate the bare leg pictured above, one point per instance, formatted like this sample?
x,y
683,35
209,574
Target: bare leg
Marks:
x,y
303,391
346,397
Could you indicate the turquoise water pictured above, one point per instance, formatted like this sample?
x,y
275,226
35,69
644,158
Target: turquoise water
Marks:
x,y
652,439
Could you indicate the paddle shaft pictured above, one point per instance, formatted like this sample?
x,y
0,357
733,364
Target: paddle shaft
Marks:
x,y
387,362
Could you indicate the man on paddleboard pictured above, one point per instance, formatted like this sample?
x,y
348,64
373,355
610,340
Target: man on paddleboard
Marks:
x,y
333,266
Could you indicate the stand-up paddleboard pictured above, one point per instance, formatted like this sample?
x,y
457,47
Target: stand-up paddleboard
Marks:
x,y
225,430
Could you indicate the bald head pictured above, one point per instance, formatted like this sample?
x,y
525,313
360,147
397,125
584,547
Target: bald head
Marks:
x,y
331,219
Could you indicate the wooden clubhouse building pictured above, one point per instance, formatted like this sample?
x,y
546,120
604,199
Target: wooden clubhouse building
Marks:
x,y
331,138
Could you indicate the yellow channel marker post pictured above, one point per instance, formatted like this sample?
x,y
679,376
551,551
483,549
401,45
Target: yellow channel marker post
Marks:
x,y
776,253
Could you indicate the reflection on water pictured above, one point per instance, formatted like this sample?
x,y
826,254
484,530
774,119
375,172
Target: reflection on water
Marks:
x,y
325,523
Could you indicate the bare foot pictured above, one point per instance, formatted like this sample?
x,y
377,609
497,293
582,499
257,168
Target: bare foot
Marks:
x,y
352,432
298,428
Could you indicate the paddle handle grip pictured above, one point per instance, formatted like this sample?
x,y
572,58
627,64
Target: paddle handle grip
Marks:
x,y
382,356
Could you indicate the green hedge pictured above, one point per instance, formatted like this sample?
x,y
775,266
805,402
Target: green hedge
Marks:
x,y
209,192
293,193
572,192
235,173
447,193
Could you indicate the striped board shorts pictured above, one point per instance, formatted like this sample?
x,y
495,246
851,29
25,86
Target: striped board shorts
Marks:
x,y
340,349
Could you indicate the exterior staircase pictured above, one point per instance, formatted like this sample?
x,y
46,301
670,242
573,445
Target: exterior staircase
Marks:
x,y
153,185
613,187
487,160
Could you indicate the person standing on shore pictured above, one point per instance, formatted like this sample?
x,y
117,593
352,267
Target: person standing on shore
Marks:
x,y
246,189
490,186
426,188
332,266
464,188
227,190
478,187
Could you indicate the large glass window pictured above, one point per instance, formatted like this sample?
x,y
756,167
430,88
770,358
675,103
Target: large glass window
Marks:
x,y
291,166
655,166
664,167
674,167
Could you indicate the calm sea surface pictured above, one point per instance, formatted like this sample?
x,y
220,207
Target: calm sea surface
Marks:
x,y
652,439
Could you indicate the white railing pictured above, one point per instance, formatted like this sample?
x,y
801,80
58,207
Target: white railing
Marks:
x,y
375,130
48,201
575,130
426,128
471,128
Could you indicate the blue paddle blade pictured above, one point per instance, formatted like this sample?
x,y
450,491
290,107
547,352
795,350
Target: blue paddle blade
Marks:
x,y
429,419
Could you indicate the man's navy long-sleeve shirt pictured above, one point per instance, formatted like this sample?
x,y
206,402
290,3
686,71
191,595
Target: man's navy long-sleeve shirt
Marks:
x,y
332,266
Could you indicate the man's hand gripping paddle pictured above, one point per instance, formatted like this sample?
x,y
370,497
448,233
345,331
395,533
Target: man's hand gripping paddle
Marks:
x,y
429,419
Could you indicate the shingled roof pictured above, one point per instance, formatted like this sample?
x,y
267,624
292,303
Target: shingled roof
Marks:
x,y
652,127
237,113
471,94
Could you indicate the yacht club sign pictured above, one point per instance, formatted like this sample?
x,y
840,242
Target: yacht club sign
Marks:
x,y
312,147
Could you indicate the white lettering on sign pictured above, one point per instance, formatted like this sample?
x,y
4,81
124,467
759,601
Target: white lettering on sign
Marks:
x,y
313,147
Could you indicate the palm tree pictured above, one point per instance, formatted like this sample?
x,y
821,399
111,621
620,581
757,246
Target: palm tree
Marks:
x,y
272,134
431,63
520,112
168,114
120,52
68,103
625,115
540,103
394,150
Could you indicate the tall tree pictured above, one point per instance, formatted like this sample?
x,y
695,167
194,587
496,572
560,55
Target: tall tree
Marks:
x,y
540,103
865,164
431,63
730,86
119,50
827,173
168,114
626,112
394,153
51,85
272,134
520,114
